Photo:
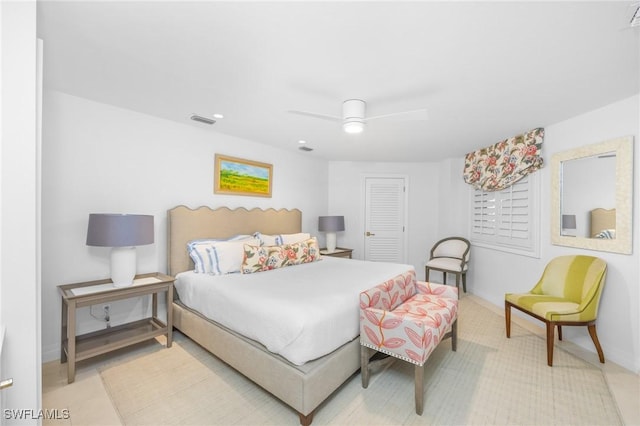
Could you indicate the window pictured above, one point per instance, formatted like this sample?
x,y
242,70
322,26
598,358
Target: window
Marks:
x,y
508,220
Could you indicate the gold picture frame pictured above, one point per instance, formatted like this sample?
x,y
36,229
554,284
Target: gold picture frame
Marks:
x,y
237,176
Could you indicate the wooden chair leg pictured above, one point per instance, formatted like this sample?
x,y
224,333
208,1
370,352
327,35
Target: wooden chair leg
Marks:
x,y
426,273
559,332
444,277
464,282
458,283
419,378
594,337
550,337
507,318
454,335
364,366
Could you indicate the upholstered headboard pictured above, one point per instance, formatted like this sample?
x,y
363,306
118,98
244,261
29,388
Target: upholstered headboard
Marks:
x,y
185,224
602,220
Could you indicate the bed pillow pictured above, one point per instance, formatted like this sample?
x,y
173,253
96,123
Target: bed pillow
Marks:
x,y
268,240
278,240
295,238
606,234
197,250
226,257
266,258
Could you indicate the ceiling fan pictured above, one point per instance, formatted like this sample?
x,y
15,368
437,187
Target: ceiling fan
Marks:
x,y
353,115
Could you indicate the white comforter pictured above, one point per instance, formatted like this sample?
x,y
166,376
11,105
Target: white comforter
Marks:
x,y
300,312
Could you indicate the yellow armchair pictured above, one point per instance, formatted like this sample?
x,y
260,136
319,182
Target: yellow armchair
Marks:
x,y
568,293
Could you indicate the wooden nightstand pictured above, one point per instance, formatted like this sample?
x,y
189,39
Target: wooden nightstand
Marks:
x,y
339,252
76,348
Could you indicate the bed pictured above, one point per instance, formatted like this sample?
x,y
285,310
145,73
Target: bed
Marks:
x,y
303,387
603,223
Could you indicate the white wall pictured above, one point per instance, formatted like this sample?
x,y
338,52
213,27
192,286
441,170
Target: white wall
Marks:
x,y
101,159
20,308
346,197
492,273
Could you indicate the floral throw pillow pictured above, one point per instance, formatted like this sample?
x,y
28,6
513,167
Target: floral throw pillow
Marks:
x,y
266,258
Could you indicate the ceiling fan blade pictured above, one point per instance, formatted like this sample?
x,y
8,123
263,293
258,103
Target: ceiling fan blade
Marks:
x,y
416,114
315,115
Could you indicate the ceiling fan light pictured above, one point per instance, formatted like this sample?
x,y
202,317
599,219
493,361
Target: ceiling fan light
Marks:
x,y
353,127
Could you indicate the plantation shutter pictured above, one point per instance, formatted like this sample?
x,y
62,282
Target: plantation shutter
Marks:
x,y
505,218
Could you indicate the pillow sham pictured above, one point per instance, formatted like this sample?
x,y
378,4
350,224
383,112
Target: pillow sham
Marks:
x,y
278,240
266,258
197,250
226,257
606,234
268,240
295,238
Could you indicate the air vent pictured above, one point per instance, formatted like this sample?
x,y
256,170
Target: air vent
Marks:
x,y
305,148
202,119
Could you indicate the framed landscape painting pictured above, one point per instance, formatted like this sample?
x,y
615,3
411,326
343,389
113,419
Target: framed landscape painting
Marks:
x,y
237,176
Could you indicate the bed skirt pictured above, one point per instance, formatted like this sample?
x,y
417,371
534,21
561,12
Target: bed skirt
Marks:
x,y
302,387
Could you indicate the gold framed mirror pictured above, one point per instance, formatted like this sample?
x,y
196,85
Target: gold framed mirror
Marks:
x,y
591,196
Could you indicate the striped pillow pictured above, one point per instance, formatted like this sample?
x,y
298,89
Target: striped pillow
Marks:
x,y
202,259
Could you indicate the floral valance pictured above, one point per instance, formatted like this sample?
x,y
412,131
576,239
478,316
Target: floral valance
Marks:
x,y
503,164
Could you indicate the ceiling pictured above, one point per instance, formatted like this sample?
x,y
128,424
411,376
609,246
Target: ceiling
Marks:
x,y
485,71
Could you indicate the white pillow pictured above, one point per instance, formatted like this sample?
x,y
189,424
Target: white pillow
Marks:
x,y
278,240
268,240
198,251
294,238
226,257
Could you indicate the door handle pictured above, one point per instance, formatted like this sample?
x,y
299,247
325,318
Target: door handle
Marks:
x,y
369,234
6,383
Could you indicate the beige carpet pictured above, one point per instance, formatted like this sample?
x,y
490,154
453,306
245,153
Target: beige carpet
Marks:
x,y
489,380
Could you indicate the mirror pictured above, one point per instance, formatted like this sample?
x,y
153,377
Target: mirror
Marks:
x,y
591,196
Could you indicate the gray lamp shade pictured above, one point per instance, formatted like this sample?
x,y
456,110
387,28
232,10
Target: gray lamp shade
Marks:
x,y
119,230
330,223
568,221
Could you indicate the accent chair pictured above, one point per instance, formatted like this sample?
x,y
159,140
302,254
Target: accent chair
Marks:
x,y
450,255
407,319
568,293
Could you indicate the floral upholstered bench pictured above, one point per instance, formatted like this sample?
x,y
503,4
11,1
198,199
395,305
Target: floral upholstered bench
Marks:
x,y
407,319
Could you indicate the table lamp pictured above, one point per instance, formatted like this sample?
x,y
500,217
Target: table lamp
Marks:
x,y
121,232
568,224
331,225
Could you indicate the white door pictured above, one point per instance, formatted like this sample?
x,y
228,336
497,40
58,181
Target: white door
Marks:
x,y
385,208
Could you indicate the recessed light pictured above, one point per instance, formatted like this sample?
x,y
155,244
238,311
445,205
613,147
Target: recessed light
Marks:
x,y
218,116
302,142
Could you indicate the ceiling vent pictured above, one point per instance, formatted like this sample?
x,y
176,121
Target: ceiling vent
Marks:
x,y
202,119
305,148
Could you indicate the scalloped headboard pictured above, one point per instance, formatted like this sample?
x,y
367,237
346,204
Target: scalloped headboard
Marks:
x,y
185,224
602,219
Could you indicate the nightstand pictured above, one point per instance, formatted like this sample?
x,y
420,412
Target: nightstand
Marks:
x,y
339,252
76,348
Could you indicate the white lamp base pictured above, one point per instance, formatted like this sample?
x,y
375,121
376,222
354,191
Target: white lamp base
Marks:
x,y
123,266
331,242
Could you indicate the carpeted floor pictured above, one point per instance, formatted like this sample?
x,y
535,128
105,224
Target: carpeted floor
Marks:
x,y
489,380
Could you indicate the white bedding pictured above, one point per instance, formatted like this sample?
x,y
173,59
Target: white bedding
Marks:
x,y
300,312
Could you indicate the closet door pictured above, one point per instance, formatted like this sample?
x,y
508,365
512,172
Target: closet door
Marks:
x,y
385,208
